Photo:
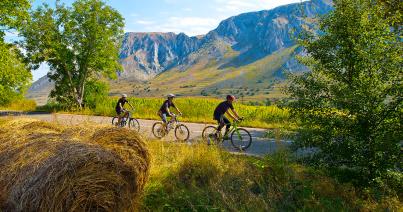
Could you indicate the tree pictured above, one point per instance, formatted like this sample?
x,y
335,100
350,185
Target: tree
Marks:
x,y
80,44
14,76
350,105
13,14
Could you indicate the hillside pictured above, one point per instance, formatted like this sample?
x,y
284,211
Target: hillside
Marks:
x,y
246,55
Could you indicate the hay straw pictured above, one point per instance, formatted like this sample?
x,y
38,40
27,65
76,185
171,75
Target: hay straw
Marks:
x,y
46,167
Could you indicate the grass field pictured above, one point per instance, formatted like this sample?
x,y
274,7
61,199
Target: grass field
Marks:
x,y
182,177
20,105
202,178
193,109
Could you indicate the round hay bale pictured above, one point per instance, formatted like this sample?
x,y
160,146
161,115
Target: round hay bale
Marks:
x,y
43,168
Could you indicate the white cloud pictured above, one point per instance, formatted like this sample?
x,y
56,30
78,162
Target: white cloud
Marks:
x,y
189,25
238,6
144,22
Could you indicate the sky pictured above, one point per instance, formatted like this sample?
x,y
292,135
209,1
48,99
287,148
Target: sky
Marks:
x,y
193,17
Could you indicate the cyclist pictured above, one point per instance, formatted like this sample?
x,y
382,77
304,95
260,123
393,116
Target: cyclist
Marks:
x,y
120,110
164,111
221,110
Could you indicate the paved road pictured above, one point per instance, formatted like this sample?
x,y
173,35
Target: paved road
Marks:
x,y
260,145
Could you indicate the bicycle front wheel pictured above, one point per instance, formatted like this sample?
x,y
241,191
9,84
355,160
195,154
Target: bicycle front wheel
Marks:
x,y
114,121
134,124
159,130
241,139
182,133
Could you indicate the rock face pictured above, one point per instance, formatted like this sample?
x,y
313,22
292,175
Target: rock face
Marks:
x,y
143,55
255,35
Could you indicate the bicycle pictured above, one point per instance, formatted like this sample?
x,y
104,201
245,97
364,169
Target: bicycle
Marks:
x,y
240,138
132,123
160,130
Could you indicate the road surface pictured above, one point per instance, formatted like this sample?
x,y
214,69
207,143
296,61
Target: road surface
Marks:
x,y
260,144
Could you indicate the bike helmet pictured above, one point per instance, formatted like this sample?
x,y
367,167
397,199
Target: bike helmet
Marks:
x,y
124,95
231,97
170,95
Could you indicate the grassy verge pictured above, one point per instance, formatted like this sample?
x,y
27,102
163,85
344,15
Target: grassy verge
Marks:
x,y
194,110
201,178
20,105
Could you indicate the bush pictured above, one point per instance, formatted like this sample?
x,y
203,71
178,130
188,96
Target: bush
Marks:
x,y
96,91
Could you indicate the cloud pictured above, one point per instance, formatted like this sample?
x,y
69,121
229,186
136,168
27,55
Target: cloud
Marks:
x,y
144,22
238,6
189,25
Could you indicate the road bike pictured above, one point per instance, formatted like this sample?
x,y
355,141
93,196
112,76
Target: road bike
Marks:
x,y
160,129
240,138
132,123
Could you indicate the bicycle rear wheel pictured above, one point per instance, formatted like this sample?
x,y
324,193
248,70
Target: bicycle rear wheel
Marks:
x,y
241,139
134,124
159,130
211,135
182,132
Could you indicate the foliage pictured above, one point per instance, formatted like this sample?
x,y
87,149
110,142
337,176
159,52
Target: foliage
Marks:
x,y
96,91
350,105
14,77
81,44
13,14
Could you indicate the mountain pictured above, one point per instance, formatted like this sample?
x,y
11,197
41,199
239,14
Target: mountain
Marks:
x,y
143,55
245,55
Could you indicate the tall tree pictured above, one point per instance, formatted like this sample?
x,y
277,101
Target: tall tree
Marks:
x,y
350,104
14,76
80,43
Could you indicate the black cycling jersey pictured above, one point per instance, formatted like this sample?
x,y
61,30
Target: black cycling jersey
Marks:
x,y
167,104
121,101
221,109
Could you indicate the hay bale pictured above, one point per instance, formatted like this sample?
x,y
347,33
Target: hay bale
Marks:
x,y
46,167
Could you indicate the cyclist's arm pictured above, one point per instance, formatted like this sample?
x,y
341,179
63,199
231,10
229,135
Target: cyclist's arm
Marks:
x,y
235,113
178,110
230,115
169,112
120,106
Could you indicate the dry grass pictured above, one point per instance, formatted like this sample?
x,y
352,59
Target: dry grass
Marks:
x,y
47,167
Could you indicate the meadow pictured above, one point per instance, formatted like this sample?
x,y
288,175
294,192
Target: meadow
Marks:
x,y
177,176
204,178
194,110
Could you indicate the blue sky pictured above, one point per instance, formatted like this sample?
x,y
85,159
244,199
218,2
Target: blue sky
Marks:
x,y
193,17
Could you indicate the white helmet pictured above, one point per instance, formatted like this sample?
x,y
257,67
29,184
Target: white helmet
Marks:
x,y
171,95
124,95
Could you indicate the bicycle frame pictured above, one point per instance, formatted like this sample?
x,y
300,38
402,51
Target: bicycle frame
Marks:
x,y
173,121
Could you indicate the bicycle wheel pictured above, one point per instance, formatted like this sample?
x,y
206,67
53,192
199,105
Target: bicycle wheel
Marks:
x,y
114,120
134,124
159,130
241,139
211,135
182,132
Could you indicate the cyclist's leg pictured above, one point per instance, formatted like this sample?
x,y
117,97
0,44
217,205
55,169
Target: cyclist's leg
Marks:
x,y
221,123
227,125
119,112
163,117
